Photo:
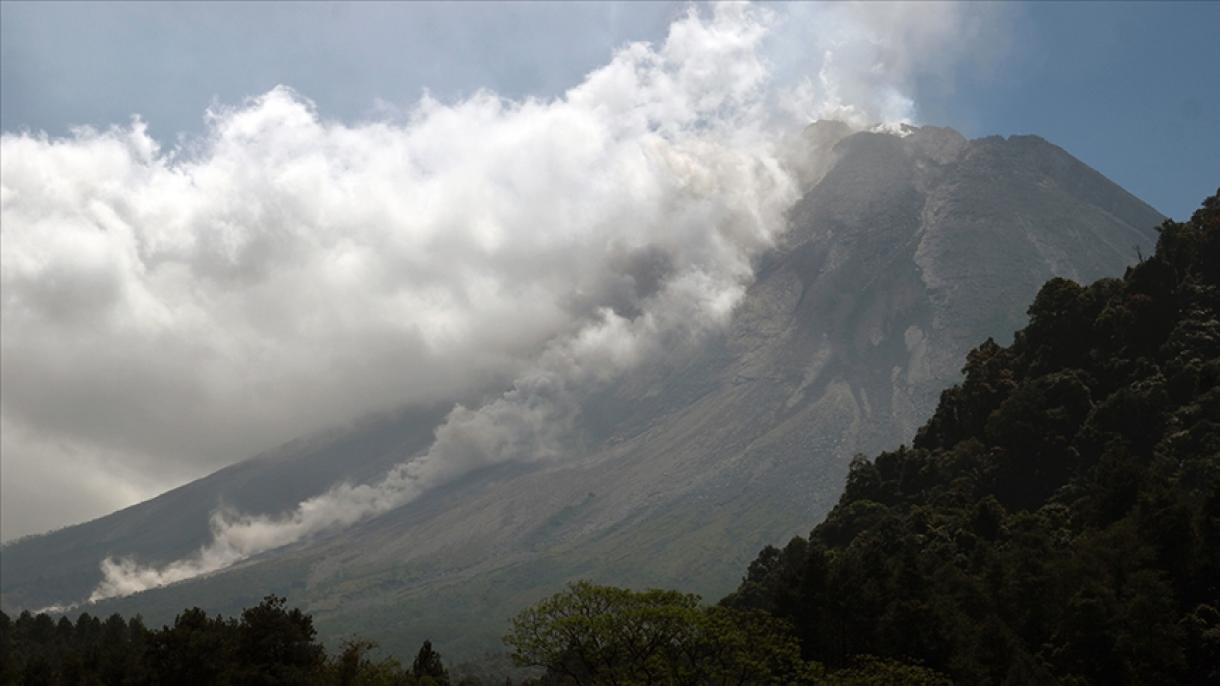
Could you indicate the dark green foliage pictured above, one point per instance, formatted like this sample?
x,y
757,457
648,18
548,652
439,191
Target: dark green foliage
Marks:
x,y
604,635
276,646
873,671
428,667
197,648
590,635
1058,518
269,644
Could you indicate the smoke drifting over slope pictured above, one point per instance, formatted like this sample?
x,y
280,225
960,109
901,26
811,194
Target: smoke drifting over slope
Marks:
x,y
286,272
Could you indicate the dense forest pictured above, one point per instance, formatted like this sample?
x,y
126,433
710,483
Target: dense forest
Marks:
x,y
270,644
1057,521
1058,518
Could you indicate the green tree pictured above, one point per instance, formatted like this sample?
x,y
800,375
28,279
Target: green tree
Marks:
x,y
428,668
1057,519
592,634
277,645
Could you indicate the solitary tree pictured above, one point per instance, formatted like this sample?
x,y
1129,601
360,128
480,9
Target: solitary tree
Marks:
x,y
428,667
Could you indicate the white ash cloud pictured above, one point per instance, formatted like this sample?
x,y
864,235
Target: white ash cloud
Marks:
x,y
863,62
670,167
184,307
532,421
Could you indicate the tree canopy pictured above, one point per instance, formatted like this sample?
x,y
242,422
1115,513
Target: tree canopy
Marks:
x,y
1058,518
593,634
269,644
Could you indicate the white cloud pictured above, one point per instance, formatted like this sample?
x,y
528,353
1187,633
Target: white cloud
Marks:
x,y
862,62
186,307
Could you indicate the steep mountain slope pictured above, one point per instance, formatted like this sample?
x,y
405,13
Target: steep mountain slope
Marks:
x,y
902,255
63,565
1057,520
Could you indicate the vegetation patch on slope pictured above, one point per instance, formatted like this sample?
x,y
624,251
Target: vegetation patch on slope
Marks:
x,y
1058,518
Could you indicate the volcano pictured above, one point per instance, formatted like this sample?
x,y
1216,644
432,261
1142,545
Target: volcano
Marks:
x,y
907,249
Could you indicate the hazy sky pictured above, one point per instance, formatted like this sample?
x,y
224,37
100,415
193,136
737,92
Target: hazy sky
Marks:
x,y
1131,88
293,235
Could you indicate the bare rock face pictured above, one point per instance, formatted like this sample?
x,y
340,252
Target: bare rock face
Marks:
x,y
906,251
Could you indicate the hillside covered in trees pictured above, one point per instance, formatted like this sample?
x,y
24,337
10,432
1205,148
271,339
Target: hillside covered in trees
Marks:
x,y
1058,518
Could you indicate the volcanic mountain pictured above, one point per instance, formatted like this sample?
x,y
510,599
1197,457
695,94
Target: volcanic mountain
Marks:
x,y
907,249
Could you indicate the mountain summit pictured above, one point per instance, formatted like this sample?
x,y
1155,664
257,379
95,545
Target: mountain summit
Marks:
x,y
906,250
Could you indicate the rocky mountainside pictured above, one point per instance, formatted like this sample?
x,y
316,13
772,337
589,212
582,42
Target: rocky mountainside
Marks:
x,y
1057,519
906,251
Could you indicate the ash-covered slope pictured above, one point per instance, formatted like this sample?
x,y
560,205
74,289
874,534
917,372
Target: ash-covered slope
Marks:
x,y
62,566
902,256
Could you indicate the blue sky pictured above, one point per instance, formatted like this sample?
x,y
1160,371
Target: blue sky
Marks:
x,y
1131,88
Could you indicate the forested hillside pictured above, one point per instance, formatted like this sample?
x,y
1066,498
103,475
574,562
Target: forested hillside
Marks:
x,y
1058,518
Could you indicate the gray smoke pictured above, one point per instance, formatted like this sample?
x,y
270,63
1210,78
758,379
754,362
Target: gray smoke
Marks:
x,y
286,272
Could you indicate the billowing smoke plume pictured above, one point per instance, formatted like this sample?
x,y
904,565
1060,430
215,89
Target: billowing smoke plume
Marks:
x,y
597,226
860,62
529,422
285,272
